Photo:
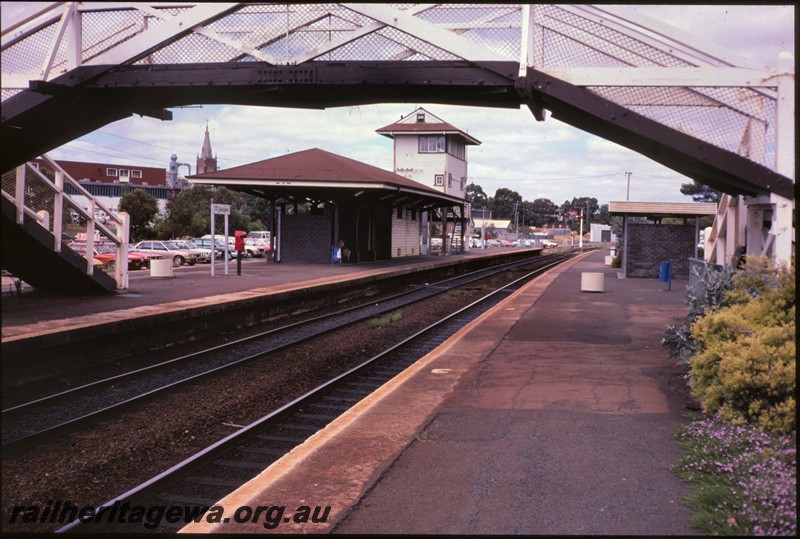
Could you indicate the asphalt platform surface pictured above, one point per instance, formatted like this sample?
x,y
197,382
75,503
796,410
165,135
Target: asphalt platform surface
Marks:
x,y
551,414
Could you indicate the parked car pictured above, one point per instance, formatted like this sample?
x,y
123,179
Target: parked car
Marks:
x,y
205,243
264,244
549,243
254,247
169,250
146,256
105,256
260,235
188,244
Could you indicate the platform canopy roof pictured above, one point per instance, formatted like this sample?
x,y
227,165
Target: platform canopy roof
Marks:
x,y
319,175
662,209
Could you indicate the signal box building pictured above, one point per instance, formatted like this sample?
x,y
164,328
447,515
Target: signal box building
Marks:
x,y
430,151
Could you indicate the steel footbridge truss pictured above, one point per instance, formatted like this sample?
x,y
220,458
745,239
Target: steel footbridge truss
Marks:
x,y
71,68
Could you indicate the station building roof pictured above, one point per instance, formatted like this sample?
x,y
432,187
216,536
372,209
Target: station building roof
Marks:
x,y
662,209
321,175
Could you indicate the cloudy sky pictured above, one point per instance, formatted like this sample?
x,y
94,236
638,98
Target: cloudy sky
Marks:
x,y
537,159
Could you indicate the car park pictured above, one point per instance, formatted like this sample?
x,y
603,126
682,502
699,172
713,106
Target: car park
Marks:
x,y
169,250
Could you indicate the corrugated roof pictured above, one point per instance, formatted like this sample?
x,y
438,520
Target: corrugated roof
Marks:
x,y
662,208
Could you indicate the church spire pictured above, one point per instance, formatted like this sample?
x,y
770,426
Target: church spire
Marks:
x,y
206,151
206,162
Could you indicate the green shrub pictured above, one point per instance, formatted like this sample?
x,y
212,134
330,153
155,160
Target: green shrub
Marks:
x,y
745,366
706,291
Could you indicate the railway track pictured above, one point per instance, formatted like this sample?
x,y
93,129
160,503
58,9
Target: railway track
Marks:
x,y
28,424
199,481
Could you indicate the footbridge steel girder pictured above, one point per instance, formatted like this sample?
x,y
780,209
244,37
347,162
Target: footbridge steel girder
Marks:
x,y
107,95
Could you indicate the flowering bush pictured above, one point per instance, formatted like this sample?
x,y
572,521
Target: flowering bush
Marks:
x,y
745,480
745,364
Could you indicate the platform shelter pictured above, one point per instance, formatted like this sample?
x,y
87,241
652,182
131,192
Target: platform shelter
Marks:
x,y
648,242
321,198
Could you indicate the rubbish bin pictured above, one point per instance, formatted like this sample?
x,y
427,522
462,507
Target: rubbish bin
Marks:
x,y
161,268
664,272
591,282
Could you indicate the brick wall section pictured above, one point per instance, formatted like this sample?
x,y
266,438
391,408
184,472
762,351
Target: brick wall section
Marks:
x,y
306,239
650,244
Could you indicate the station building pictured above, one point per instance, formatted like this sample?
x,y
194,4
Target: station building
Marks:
x,y
321,199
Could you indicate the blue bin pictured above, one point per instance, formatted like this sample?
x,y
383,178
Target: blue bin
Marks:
x,y
663,275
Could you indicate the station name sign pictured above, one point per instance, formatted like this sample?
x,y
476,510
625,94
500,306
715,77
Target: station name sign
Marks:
x,y
221,209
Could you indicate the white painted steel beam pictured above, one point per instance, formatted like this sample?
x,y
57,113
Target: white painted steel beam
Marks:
x,y
427,32
664,76
354,35
163,34
244,48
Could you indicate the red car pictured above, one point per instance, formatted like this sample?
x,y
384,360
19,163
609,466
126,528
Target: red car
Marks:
x,y
105,256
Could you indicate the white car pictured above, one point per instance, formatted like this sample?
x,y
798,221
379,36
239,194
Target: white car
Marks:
x,y
168,249
254,247
187,244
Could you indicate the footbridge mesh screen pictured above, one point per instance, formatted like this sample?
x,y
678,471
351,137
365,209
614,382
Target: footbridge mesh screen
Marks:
x,y
740,119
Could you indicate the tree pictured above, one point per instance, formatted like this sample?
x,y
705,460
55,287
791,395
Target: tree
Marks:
x,y
189,213
587,205
503,204
476,197
700,192
603,217
142,209
539,212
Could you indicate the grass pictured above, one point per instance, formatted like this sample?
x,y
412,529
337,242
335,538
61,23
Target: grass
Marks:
x,y
743,480
384,321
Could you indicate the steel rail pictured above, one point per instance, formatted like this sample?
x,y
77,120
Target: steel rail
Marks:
x,y
75,423
210,453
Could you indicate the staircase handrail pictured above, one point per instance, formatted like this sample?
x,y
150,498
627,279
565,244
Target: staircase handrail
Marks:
x,y
119,236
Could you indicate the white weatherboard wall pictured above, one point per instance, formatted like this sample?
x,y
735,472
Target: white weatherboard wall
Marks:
x,y
405,235
423,167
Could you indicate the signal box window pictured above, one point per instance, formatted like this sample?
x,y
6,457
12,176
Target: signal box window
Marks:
x,y
431,144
